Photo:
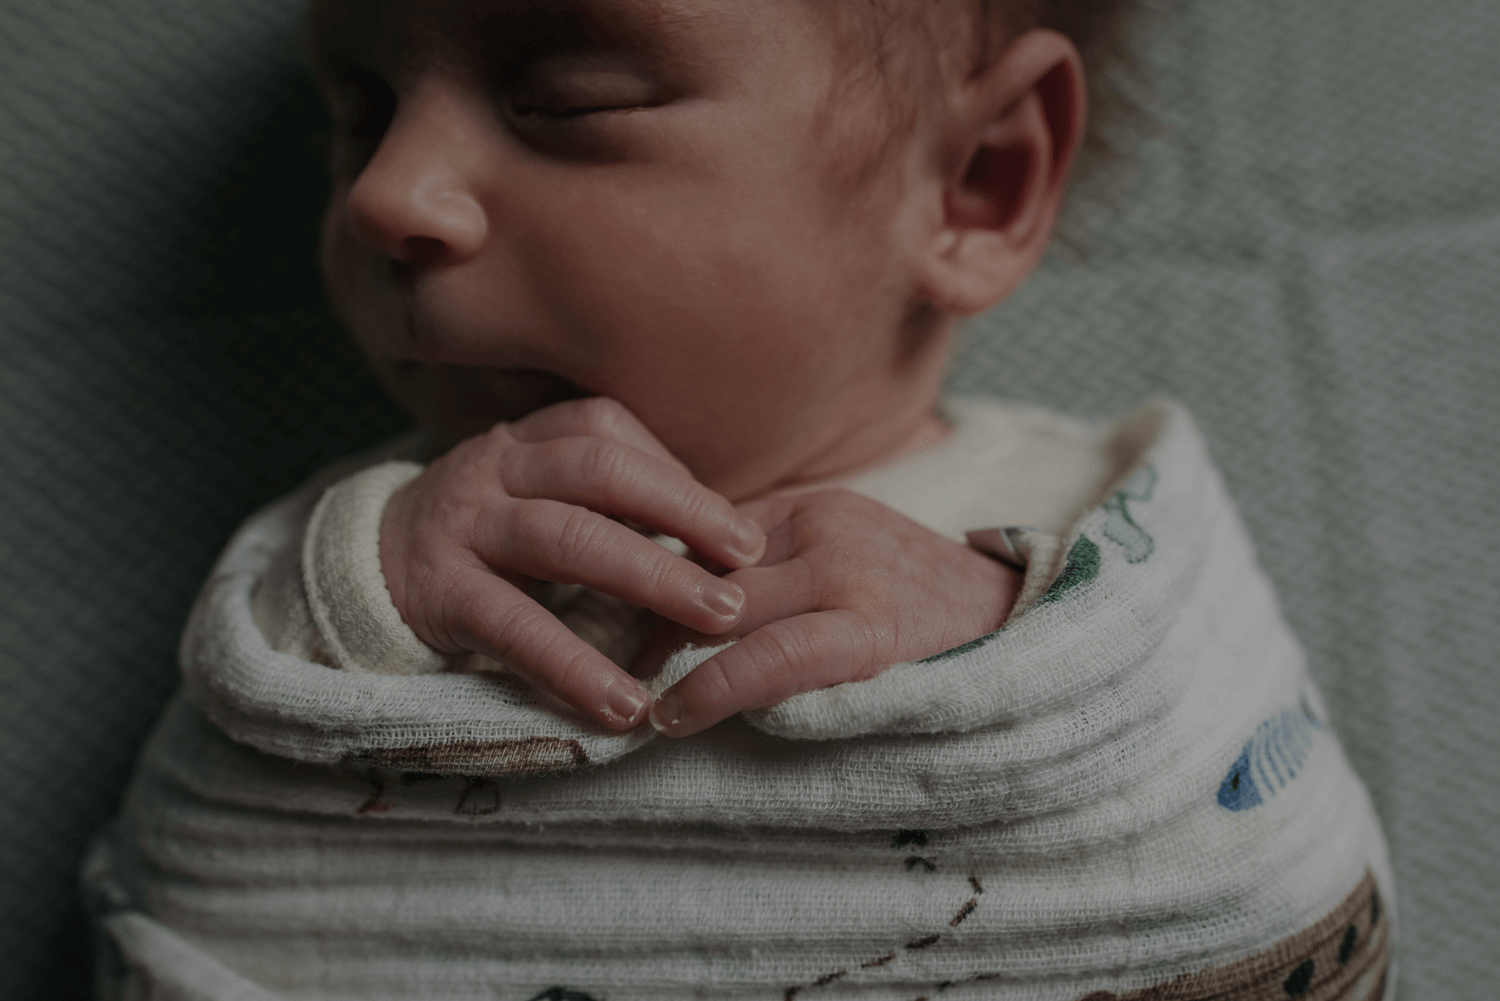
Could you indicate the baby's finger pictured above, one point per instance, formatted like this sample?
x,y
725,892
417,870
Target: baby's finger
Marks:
x,y
621,481
771,593
552,541
595,417
486,615
771,665
776,517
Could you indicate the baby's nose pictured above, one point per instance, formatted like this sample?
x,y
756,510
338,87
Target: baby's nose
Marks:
x,y
414,202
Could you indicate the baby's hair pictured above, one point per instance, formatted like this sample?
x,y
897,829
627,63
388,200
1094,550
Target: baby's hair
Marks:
x,y
1108,35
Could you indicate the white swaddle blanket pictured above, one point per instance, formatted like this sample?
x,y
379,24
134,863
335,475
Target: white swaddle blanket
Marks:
x,y
1130,791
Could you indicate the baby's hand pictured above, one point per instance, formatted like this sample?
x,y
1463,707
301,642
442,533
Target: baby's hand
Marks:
x,y
534,501
846,588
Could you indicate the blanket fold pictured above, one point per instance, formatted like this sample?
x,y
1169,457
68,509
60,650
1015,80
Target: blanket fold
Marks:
x,y
1132,785
286,706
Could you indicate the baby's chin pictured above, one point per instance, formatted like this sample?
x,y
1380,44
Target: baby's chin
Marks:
x,y
459,402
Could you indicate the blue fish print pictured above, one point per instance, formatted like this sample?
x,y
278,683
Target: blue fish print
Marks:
x,y
1270,759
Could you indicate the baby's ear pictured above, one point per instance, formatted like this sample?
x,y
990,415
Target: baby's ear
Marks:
x,y
1000,172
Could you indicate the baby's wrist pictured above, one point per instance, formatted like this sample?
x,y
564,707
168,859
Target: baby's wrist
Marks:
x,y
345,580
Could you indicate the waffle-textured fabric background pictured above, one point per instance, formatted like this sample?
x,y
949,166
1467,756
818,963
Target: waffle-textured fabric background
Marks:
x,y
1310,260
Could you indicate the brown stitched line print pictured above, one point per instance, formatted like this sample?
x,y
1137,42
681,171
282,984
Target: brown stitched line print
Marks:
x,y
964,912
480,797
916,944
374,804
1345,956
513,758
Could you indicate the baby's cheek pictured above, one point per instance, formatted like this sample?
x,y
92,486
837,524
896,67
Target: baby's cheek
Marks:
x,y
338,251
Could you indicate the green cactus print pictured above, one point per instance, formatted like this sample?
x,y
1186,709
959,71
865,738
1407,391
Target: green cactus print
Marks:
x,y
1083,566
1120,527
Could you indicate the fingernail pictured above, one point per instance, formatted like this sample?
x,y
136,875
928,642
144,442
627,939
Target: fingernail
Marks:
x,y
747,538
723,598
627,701
666,712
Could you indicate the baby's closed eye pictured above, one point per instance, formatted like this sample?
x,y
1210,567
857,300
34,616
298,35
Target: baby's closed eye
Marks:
x,y
571,87
362,104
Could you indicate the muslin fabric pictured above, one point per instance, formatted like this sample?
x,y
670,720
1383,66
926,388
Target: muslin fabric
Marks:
x,y
1132,788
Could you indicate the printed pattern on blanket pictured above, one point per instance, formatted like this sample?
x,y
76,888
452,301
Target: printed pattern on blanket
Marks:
x,y
1344,957
1130,791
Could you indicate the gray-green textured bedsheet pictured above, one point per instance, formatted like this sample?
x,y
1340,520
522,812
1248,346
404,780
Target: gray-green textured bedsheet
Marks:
x,y
1310,260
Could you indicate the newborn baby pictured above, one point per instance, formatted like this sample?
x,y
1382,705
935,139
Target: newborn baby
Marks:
x,y
695,647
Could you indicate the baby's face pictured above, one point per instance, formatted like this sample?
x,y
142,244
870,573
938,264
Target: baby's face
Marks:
x,y
642,199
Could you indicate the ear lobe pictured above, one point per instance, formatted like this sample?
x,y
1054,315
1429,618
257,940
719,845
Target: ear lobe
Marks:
x,y
1014,151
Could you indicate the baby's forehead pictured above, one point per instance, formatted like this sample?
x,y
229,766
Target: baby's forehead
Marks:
x,y
513,26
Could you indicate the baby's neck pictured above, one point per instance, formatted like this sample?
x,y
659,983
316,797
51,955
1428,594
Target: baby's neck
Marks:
x,y
930,431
